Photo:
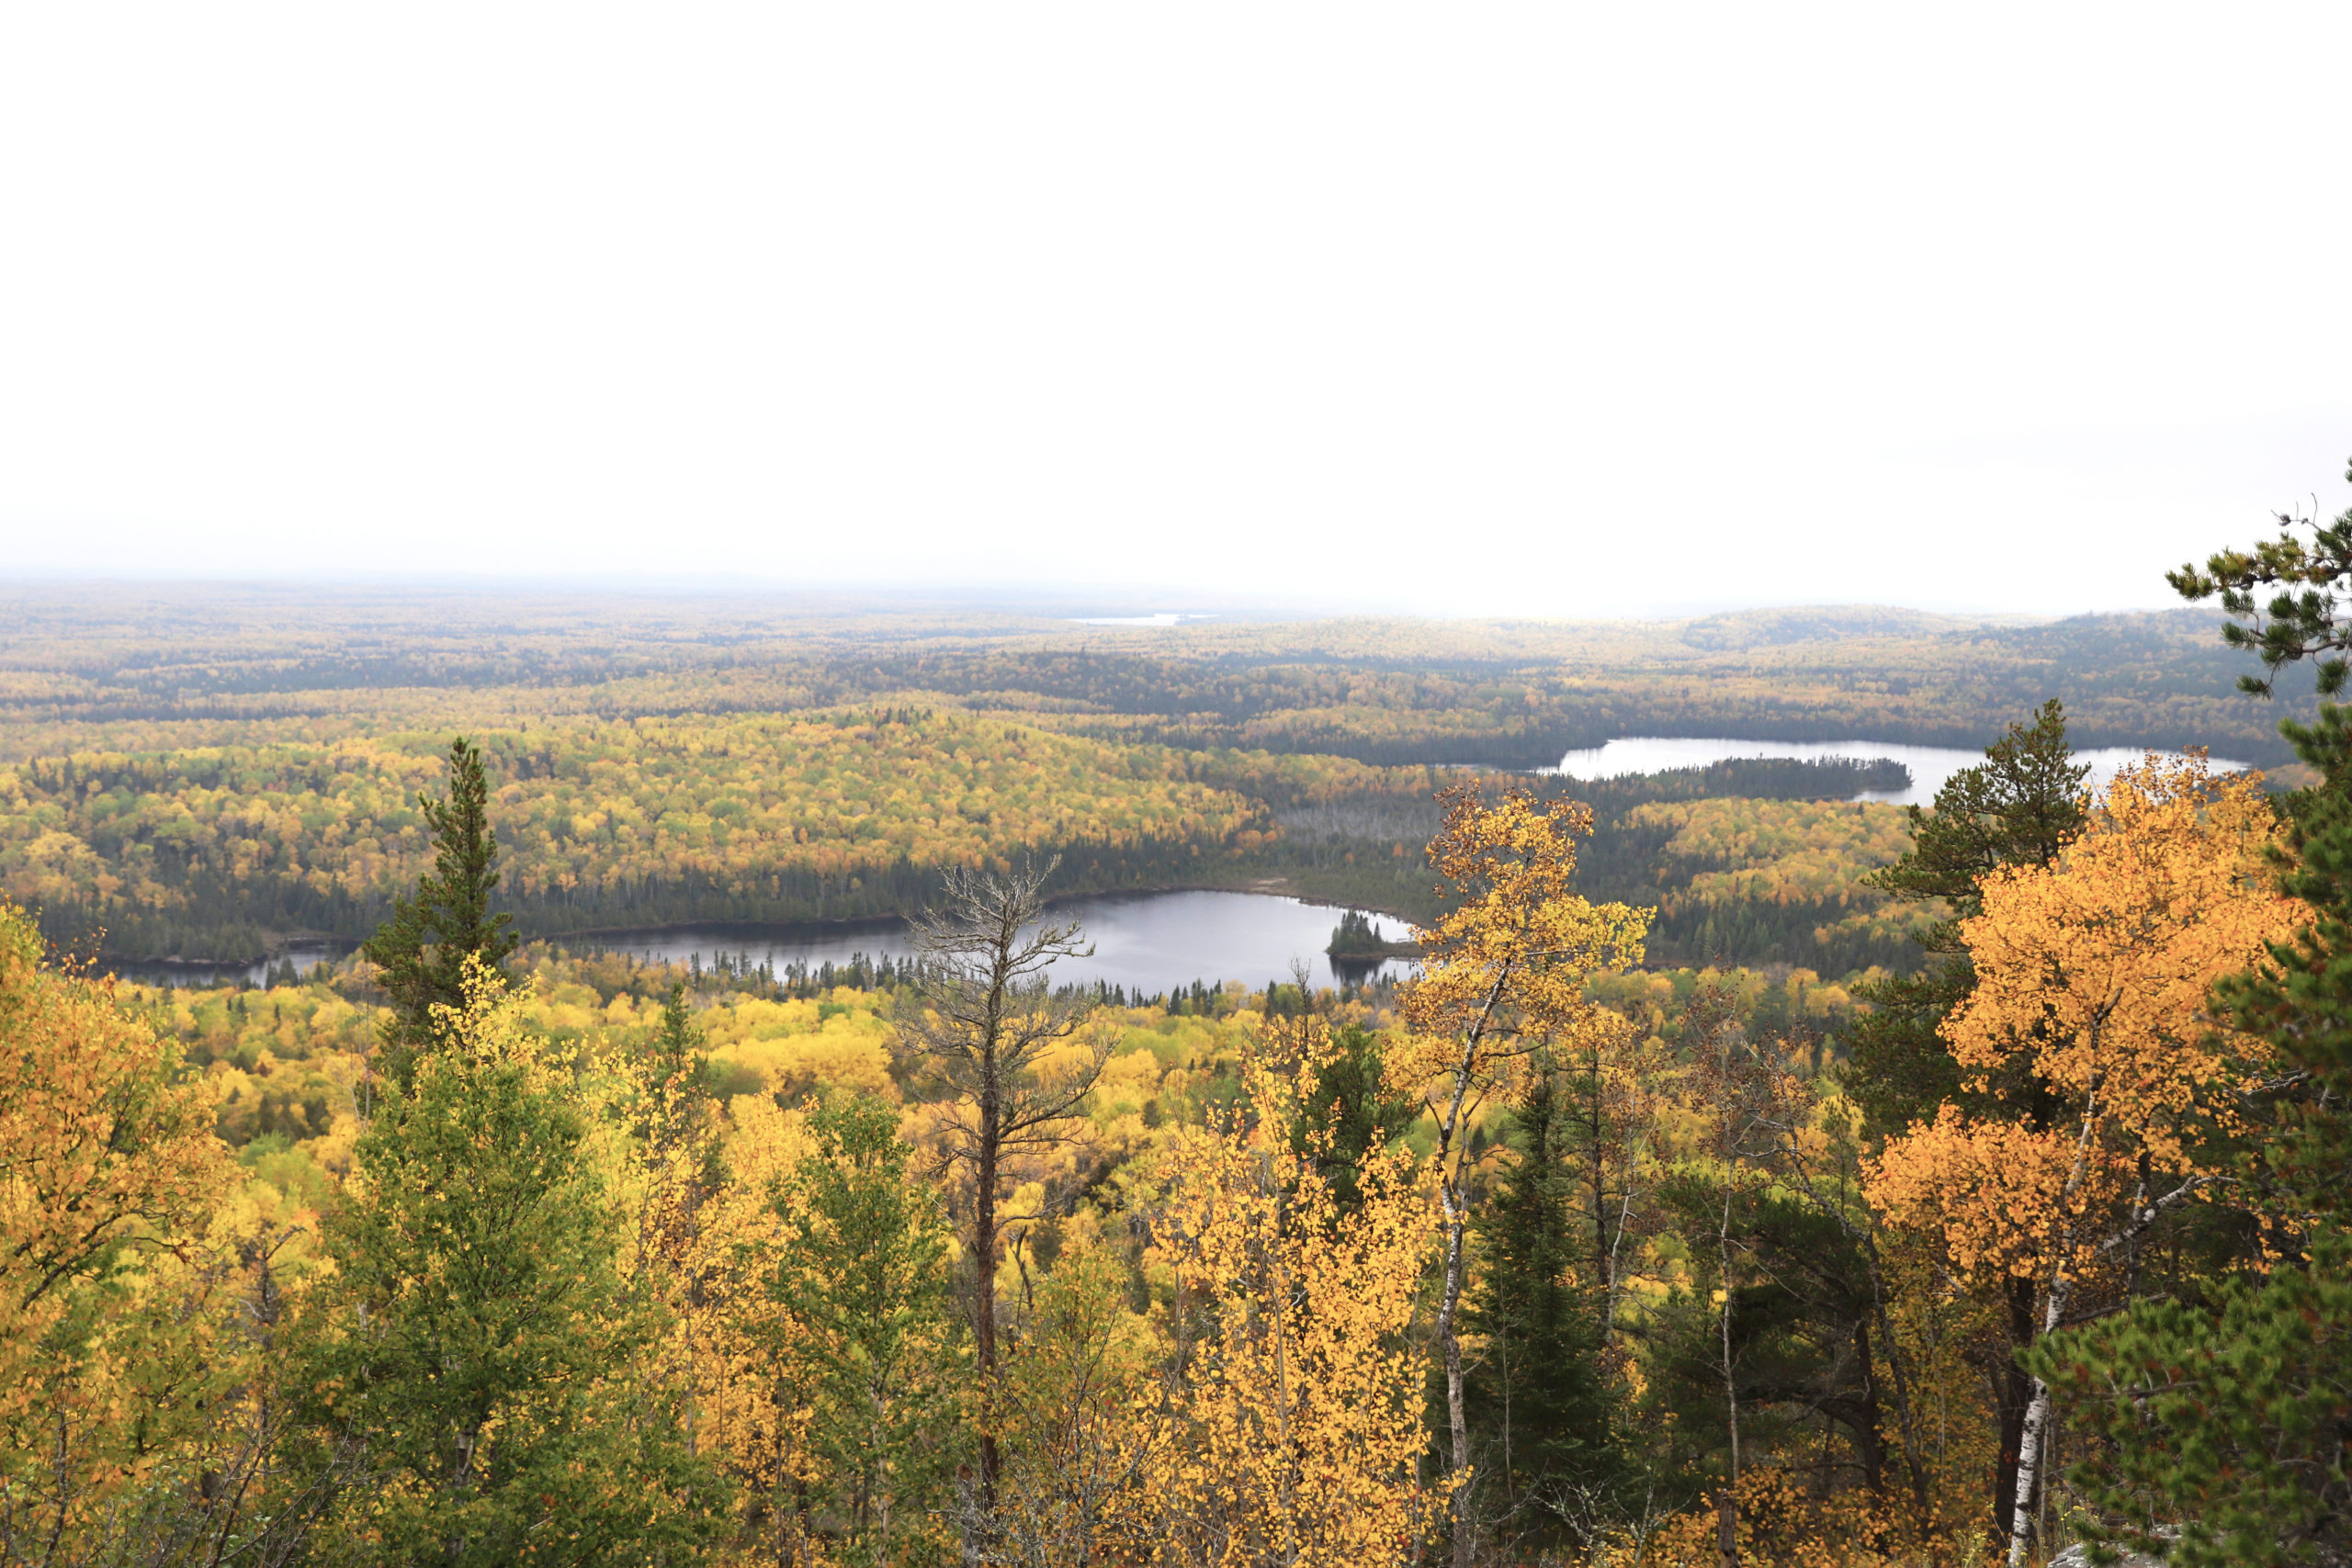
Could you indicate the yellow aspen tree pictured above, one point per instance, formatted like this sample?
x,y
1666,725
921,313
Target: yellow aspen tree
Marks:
x,y
750,1413
1296,1394
2093,975
1503,975
110,1176
1082,1419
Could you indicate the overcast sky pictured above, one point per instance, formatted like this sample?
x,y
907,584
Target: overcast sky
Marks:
x,y
1548,309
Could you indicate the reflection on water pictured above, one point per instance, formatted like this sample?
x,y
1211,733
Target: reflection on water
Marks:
x,y
1147,942
296,962
1929,765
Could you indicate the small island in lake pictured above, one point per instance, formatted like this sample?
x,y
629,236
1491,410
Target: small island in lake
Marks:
x,y
1358,937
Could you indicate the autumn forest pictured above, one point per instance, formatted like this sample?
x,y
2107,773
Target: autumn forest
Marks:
x,y
1743,1170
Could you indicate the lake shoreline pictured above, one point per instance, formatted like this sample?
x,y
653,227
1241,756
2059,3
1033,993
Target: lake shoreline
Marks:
x,y
882,924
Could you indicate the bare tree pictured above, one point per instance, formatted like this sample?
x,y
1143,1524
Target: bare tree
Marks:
x,y
988,1020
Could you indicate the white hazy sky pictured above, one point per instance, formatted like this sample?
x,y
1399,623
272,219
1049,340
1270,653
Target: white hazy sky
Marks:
x,y
1547,309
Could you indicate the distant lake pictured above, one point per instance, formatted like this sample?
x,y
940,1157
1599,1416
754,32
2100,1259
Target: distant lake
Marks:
x,y
1147,942
303,956
1929,765
1144,941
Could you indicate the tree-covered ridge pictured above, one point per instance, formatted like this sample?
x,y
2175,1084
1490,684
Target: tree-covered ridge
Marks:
x,y
776,817
218,851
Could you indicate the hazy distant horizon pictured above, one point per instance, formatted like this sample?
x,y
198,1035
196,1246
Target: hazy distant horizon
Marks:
x,y
1067,602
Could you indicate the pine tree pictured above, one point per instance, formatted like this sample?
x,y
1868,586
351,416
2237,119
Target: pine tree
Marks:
x,y
2221,1433
1538,1400
1350,1115
422,952
2301,1000
2017,809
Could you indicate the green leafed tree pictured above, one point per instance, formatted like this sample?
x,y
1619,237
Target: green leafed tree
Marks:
x,y
422,954
860,1271
481,1346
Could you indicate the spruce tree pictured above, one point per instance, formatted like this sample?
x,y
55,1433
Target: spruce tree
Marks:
x,y
1351,1106
1538,1399
421,953
861,1276
2019,807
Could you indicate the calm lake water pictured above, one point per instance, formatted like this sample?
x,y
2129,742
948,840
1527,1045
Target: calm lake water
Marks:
x,y
1929,765
1147,942
303,956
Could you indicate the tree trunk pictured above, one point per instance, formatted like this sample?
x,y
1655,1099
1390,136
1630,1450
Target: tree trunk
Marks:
x,y
984,1296
1727,1506
1873,1445
1456,1413
1604,1253
2015,1391
2035,1432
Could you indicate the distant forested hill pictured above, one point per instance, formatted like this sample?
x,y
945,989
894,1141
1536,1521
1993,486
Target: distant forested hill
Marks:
x,y
123,669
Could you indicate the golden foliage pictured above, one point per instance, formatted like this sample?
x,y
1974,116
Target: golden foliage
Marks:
x,y
728,804
1514,957
2092,977
1298,1435
119,1268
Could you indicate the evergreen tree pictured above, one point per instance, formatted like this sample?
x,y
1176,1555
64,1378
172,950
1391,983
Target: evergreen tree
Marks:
x,y
862,1277
422,952
2017,809
676,1040
2225,1424
2225,1421
483,1346
1538,1400
2301,1000
1350,1103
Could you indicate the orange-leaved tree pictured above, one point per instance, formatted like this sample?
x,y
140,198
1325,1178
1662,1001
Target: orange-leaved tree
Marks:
x,y
1503,975
2093,975
1297,1398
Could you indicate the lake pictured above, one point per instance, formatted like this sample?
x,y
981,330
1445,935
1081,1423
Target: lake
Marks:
x,y
1147,942
303,956
1929,765
1144,941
